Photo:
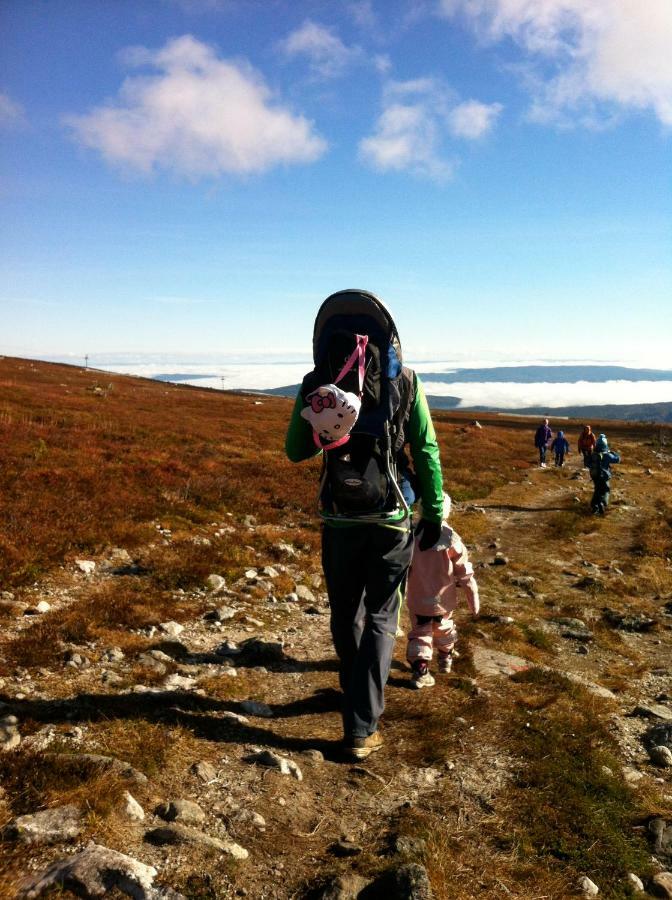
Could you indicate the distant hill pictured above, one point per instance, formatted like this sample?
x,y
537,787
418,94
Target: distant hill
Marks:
x,y
631,412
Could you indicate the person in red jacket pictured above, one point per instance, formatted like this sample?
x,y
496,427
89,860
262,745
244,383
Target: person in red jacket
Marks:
x,y
586,444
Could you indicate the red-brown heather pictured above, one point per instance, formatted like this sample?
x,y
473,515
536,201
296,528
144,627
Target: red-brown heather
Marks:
x,y
529,792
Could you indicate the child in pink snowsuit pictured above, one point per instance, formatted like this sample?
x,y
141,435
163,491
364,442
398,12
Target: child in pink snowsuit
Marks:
x,y
434,578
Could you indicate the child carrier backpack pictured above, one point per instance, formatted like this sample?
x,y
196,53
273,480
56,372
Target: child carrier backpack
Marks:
x,y
361,476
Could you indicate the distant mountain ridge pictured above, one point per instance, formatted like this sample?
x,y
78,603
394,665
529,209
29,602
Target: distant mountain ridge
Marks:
x,y
627,412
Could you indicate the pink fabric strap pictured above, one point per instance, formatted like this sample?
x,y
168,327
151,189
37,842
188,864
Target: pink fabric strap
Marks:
x,y
359,354
333,445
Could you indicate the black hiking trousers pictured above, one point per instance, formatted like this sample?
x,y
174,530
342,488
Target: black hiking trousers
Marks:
x,y
365,569
600,499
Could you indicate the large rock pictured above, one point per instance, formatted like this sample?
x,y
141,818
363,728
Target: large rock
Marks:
x,y
220,614
661,836
658,735
10,737
215,583
587,887
205,771
48,826
95,872
653,711
132,808
259,652
275,761
182,834
590,686
408,882
494,662
661,756
304,593
344,887
172,629
662,884
628,621
186,812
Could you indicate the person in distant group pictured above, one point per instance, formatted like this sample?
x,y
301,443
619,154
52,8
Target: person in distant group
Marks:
x,y
542,436
601,461
586,444
431,594
560,446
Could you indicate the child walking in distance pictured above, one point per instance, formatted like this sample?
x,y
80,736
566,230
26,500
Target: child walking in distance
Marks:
x,y
586,444
432,598
560,446
542,436
601,461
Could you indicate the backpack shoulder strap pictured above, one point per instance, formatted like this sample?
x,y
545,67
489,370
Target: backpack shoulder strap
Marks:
x,y
403,415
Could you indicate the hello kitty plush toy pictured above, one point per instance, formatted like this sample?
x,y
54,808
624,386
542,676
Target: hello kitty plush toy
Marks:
x,y
332,411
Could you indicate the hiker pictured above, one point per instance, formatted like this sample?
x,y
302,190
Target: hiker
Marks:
x,y
366,490
586,444
560,446
542,436
601,460
433,581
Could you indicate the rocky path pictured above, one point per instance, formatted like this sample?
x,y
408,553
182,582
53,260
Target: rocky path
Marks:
x,y
218,734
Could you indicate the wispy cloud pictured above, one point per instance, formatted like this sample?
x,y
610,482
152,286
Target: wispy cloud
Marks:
x,y
583,58
417,116
12,114
326,53
407,134
473,119
196,115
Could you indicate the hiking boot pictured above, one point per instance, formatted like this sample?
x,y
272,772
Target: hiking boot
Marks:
x,y
421,676
361,747
445,663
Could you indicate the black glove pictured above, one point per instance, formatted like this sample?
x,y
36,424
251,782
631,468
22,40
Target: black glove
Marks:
x,y
428,532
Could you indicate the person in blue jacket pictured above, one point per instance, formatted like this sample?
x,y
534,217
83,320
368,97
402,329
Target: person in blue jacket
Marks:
x,y
560,446
542,436
601,461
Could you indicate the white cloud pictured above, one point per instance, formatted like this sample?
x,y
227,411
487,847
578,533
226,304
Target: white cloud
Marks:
x,y
196,115
586,53
362,13
511,395
408,133
11,113
473,119
329,57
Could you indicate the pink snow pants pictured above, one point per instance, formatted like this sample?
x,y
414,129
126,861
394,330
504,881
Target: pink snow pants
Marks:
x,y
428,632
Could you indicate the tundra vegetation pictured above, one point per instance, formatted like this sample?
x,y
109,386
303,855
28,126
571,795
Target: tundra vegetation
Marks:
x,y
508,783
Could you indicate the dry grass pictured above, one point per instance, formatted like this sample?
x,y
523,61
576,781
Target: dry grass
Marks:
x,y
105,614
83,471
654,535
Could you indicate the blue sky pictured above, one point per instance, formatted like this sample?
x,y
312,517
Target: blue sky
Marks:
x,y
195,176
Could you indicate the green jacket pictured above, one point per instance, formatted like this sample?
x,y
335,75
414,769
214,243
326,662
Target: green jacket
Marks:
x,y
420,437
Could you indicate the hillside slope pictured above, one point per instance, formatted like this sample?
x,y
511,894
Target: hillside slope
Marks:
x,y
529,767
